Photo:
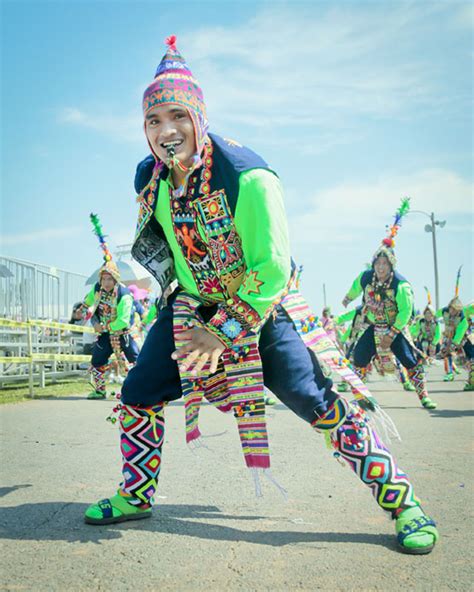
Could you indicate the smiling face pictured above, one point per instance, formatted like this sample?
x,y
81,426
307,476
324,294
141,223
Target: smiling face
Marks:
x,y
171,126
382,268
428,315
107,282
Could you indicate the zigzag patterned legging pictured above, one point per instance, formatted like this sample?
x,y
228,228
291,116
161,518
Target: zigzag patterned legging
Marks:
x,y
355,440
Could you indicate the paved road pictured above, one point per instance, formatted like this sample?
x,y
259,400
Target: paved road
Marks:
x,y
209,532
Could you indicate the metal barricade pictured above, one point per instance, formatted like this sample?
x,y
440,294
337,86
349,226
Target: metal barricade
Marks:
x,y
36,350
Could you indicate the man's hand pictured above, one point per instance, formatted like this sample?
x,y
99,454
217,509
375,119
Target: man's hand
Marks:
x,y
345,302
386,341
202,347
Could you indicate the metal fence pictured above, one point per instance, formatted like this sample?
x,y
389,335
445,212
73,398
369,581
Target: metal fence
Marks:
x,y
33,291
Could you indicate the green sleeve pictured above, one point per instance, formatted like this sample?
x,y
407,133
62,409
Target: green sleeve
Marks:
x,y
260,222
439,313
90,298
150,315
346,316
437,335
415,329
404,300
356,288
345,336
124,311
460,331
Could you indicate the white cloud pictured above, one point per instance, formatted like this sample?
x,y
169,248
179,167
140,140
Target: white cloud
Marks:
x,y
342,214
320,67
307,67
128,127
39,235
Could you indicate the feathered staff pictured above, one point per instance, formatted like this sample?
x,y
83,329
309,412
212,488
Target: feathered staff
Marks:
x,y
458,277
402,211
428,295
97,229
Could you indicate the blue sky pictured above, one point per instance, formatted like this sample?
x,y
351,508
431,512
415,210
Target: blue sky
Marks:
x,y
354,104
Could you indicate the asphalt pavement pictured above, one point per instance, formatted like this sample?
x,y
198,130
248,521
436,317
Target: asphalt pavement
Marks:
x,y
209,531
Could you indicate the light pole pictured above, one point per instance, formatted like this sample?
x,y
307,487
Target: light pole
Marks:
x,y
432,228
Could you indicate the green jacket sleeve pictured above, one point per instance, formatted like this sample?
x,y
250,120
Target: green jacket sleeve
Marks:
x,y
346,316
415,329
437,335
260,222
404,300
89,299
356,288
124,311
150,315
460,331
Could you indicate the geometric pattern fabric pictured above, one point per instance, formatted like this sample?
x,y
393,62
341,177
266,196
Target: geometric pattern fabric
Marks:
x,y
141,440
358,444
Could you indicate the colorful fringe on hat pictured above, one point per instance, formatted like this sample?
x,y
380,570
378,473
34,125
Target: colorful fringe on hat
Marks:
x,y
429,306
175,84
387,247
109,266
456,301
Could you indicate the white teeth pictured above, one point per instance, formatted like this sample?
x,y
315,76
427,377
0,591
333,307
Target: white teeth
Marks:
x,y
173,143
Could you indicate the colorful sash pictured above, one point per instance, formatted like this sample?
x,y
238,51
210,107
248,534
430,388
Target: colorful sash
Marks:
x,y
237,385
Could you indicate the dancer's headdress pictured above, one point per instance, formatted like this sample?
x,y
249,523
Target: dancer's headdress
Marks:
x,y
175,84
109,266
387,247
429,306
456,301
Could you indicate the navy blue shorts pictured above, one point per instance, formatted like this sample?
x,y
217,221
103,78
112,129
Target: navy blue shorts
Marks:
x,y
364,350
468,350
290,370
102,349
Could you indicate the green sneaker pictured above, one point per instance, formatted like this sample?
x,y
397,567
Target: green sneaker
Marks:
x,y
468,387
428,403
270,400
342,387
408,386
115,509
449,377
416,532
97,395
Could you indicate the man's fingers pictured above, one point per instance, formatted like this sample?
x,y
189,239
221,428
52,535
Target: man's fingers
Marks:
x,y
184,349
214,361
189,360
202,361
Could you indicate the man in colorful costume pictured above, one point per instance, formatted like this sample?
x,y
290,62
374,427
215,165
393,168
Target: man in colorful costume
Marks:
x,y
211,214
458,337
426,330
112,315
457,334
388,306
359,324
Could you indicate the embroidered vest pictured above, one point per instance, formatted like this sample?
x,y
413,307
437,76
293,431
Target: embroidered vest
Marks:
x,y
217,264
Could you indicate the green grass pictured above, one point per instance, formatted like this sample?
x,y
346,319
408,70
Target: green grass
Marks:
x,y
14,393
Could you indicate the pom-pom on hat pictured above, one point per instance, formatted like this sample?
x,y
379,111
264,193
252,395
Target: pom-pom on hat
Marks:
x,y
387,248
175,84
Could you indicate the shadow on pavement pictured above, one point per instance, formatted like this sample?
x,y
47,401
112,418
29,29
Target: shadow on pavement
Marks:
x,y
7,490
62,521
450,413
